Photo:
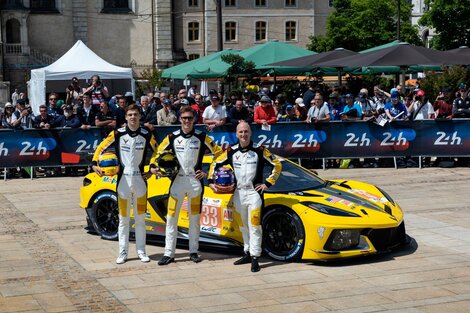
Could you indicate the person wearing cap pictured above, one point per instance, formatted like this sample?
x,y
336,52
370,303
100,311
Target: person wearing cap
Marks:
x,y
319,111
214,115
166,116
182,94
22,117
7,115
69,119
240,113
420,108
300,110
395,109
461,105
443,105
264,113
73,91
334,106
368,106
248,99
351,111
188,145
289,116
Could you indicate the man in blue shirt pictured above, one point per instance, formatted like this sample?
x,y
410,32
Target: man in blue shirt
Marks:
x,y
352,111
395,110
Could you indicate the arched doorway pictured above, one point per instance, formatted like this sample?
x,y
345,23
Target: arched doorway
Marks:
x,y
13,34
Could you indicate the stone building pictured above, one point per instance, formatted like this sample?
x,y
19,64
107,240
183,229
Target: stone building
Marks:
x,y
140,33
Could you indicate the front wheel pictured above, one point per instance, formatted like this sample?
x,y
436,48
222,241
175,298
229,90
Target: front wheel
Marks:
x,y
283,234
105,215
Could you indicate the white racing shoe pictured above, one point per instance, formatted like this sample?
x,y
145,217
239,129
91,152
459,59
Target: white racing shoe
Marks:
x,y
122,258
143,257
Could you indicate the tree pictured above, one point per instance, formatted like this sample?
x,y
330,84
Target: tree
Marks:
x,y
361,24
152,80
450,19
238,67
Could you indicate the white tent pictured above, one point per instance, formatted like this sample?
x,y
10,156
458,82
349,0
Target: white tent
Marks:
x,y
80,62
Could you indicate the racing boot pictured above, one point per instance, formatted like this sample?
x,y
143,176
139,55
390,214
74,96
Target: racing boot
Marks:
x,y
195,257
254,264
165,260
244,259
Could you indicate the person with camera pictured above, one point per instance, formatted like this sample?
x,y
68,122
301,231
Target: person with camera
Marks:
x,y
97,90
188,146
22,118
131,144
248,160
73,91
319,110
443,105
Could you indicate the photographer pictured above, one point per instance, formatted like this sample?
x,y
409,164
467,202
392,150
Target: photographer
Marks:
x,y
97,90
443,105
22,117
73,92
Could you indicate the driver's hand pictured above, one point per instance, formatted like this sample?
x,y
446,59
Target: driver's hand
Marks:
x,y
97,170
200,174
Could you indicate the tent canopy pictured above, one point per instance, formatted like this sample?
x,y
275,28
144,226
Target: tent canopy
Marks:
x,y
80,62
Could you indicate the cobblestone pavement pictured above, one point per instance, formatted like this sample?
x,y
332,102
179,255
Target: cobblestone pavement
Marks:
x,y
49,263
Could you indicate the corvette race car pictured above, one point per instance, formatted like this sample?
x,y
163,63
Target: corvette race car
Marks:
x,y
304,217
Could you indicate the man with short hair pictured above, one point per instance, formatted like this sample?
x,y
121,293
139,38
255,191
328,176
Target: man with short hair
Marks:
x,y
240,113
166,116
248,161
319,111
188,145
87,113
44,120
148,117
351,111
105,117
199,107
131,144
215,114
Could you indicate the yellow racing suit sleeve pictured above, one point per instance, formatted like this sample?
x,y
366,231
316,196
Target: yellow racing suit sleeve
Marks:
x,y
161,147
217,162
102,147
277,167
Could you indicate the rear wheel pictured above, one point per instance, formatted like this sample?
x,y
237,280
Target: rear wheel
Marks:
x,y
283,234
105,215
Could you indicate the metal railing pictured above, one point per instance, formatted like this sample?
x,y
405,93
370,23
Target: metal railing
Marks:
x,y
16,49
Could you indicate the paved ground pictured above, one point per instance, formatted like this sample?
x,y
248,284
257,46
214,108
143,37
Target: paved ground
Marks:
x,y
48,262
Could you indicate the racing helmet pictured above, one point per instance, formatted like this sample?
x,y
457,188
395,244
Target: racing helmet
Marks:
x,y
108,164
224,180
167,163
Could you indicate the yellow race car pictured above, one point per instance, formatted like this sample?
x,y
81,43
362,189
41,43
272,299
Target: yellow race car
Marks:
x,y
304,217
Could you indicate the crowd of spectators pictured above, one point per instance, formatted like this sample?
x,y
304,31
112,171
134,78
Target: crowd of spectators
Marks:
x,y
94,106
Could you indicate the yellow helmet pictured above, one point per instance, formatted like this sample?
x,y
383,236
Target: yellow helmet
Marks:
x,y
108,164
167,163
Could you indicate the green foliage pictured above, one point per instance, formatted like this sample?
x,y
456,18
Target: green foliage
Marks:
x,y
153,78
362,24
239,67
450,19
451,77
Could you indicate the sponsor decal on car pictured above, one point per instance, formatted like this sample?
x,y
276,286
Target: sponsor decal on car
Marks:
x,y
334,199
368,195
109,179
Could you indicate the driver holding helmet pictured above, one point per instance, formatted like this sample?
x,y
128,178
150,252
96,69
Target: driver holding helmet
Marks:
x,y
248,161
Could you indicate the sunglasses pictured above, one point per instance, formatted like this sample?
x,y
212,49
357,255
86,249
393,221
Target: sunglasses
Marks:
x,y
187,118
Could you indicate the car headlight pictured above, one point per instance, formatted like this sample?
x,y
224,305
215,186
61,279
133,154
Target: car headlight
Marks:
x,y
326,209
86,182
342,239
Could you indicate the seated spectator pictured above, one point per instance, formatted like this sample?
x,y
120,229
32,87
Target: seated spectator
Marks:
x,y
166,116
87,113
69,119
44,120
319,111
264,113
443,105
215,114
7,116
22,117
199,107
105,118
395,109
289,116
240,113
334,106
299,109
351,111
148,117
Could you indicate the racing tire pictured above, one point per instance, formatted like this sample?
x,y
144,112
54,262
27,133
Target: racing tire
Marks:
x,y
105,215
283,234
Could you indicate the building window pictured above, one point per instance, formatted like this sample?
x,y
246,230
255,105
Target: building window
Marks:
x,y
291,3
330,3
42,6
230,3
230,31
291,31
260,31
116,6
13,34
193,56
192,3
193,31
260,3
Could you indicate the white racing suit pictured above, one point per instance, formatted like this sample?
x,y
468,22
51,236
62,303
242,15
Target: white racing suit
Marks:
x,y
189,149
248,165
130,148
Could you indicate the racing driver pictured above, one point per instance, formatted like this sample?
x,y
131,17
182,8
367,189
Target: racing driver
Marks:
x,y
248,161
189,146
131,144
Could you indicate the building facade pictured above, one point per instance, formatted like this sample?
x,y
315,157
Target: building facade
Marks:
x,y
146,33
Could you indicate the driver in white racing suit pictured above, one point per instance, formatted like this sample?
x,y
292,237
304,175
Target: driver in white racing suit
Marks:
x,y
131,143
248,161
189,146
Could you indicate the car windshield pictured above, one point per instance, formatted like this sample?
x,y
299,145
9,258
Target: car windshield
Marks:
x,y
293,178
